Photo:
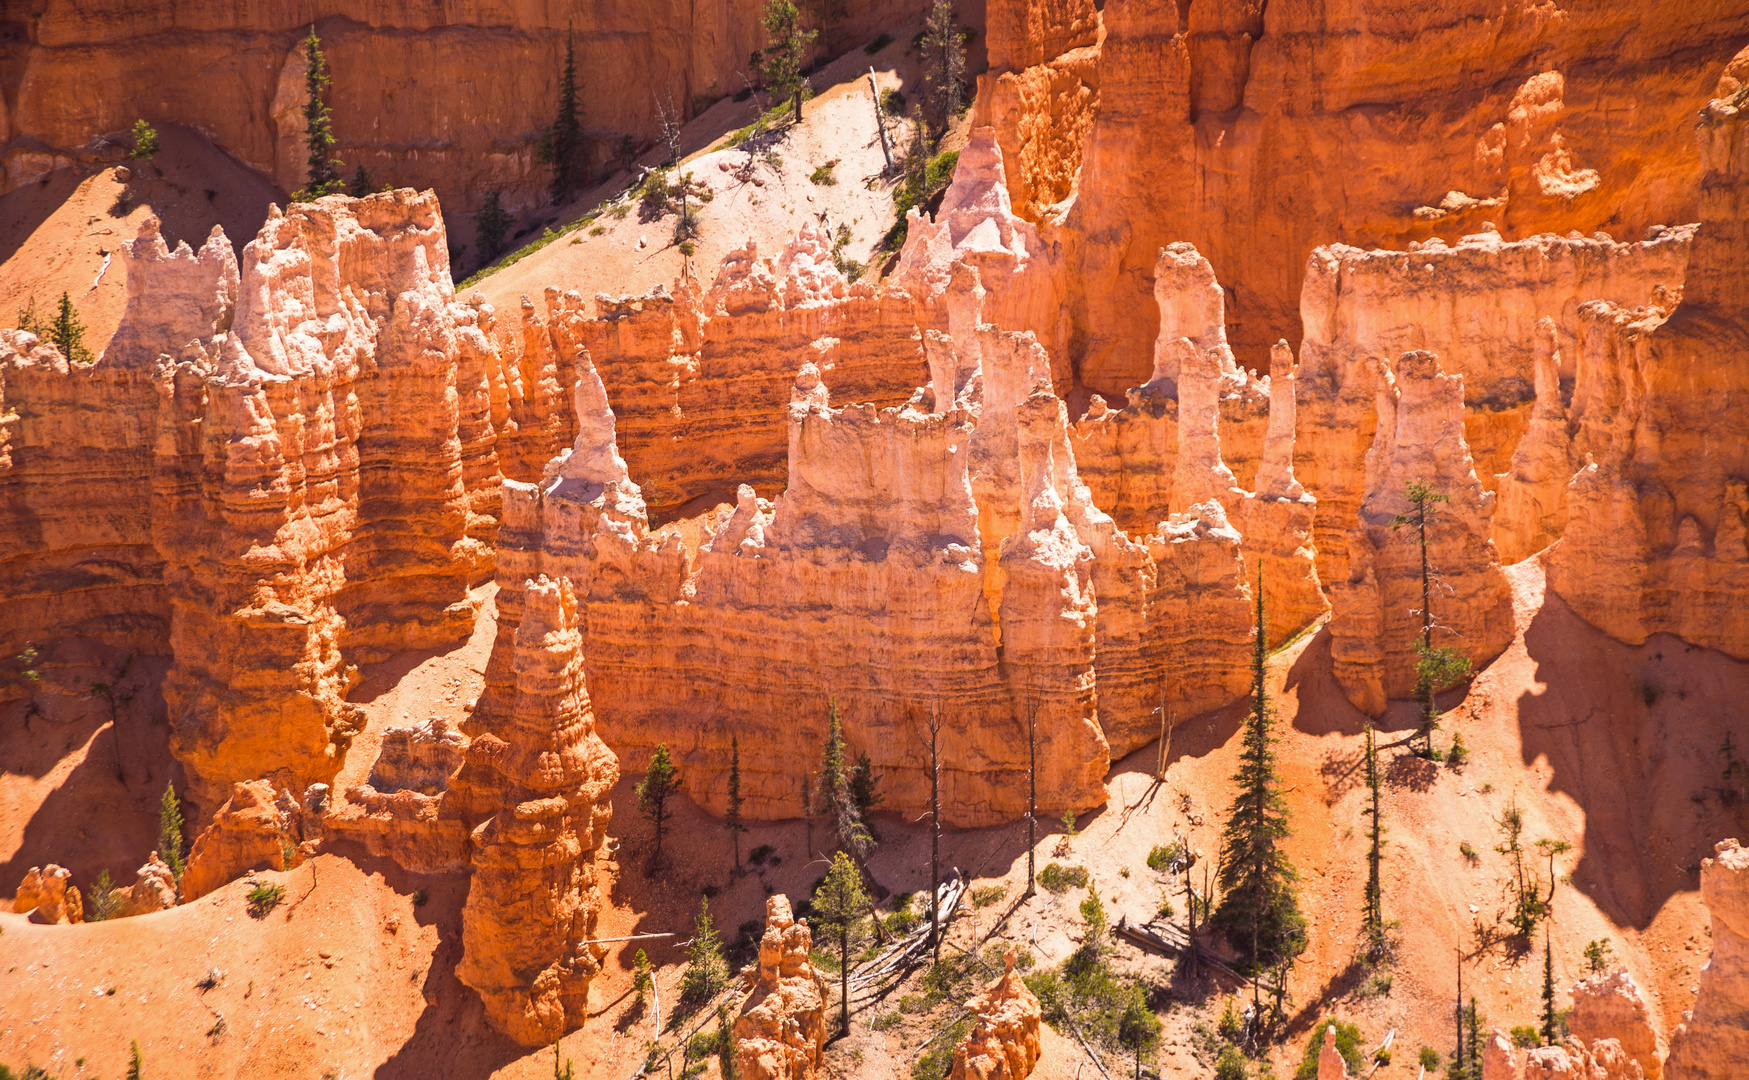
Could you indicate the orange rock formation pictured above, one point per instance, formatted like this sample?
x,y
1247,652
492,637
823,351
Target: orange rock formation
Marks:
x,y
532,907
781,1029
1003,1045
256,829
1712,1042
48,895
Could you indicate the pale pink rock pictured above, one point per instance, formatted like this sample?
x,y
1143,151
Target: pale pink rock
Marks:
x,y
1610,1007
781,1030
1712,1042
1004,1042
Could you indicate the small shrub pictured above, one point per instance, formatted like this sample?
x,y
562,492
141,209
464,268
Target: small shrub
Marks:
x,y
1068,824
1378,986
1525,1036
1165,857
706,970
1383,1057
1599,956
892,102
598,230
1231,1065
1230,1027
1459,754
912,1003
886,1021
1468,851
759,855
420,897
1165,909
878,44
102,898
989,894
823,175
1060,879
1429,1058
145,141
264,898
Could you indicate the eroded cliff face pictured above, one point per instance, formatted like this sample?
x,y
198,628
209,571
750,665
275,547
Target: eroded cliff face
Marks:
x,y
1258,132
74,72
271,479
1656,530
781,1030
1713,1039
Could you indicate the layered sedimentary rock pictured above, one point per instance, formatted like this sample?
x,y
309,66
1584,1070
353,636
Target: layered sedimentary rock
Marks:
x,y
263,477
1573,1059
1377,614
532,907
1655,540
1259,131
400,811
1003,1043
256,829
1479,304
1330,1063
48,895
1610,1006
1712,1041
1530,512
700,379
73,74
781,1029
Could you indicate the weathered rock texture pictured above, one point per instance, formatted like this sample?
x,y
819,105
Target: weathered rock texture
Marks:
x,y
1713,1040
73,73
1376,612
48,895
1479,305
263,477
400,811
781,1029
1259,131
1574,1059
1003,1044
1656,530
1609,1006
154,889
700,380
533,903
256,829
1330,1063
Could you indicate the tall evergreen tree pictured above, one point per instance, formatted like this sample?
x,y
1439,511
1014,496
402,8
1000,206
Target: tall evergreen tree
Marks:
x,y
945,57
491,225
660,780
562,145
324,170
1548,1025
835,794
361,183
1435,668
1373,916
732,819
838,904
1259,910
787,44
170,830
136,1067
706,970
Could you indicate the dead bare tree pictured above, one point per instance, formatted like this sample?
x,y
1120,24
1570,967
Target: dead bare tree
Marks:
x,y
670,119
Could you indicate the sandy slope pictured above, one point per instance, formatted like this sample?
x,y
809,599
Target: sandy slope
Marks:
x,y
1551,723
54,234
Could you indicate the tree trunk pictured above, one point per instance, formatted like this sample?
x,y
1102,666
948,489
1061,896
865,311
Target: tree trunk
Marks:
x,y
844,977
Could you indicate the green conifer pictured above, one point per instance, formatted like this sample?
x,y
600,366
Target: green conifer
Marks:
x,y
170,830
324,170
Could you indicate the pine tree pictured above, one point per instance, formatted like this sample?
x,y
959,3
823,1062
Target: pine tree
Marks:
x,y
946,59
706,970
787,44
67,332
660,780
1137,1026
562,144
135,1065
1259,910
838,904
1435,668
1473,1019
1548,1026
170,831
835,793
491,225
361,184
732,819
1373,916
145,141
324,171
725,1044
863,782
562,1070
641,979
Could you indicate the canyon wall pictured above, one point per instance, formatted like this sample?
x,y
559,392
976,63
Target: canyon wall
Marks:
x,y
1258,132
70,72
262,478
1656,540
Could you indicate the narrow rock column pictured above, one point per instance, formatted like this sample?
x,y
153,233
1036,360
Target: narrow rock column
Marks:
x,y
533,902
